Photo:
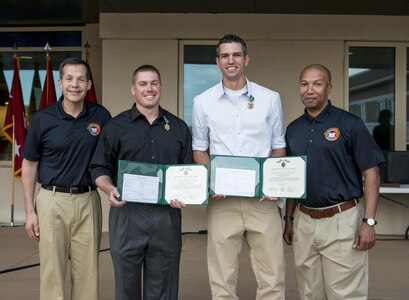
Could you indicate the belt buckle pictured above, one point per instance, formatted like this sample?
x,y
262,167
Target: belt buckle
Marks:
x,y
322,213
316,213
74,190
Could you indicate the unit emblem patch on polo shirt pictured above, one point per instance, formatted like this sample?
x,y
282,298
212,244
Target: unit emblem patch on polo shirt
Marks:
x,y
94,129
332,134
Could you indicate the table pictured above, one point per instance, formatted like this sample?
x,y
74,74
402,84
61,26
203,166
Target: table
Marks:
x,y
402,189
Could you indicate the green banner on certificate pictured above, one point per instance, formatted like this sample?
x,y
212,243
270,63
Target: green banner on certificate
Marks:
x,y
281,177
158,184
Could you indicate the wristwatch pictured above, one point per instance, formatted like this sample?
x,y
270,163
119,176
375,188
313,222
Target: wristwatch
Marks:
x,y
370,221
291,218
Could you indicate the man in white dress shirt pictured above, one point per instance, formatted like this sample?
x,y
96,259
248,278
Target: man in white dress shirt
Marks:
x,y
240,118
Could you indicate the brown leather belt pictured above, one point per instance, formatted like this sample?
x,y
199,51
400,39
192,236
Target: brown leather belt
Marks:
x,y
319,213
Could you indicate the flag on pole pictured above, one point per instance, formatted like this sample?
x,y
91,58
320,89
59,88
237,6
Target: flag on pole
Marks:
x,y
15,120
91,96
35,95
48,96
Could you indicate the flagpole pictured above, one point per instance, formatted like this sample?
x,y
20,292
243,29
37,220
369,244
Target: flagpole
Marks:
x,y
13,161
13,181
12,223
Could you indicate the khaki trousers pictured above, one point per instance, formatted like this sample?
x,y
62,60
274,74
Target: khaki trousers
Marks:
x,y
327,266
230,221
70,229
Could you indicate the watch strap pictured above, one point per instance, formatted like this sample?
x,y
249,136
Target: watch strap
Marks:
x,y
365,220
291,218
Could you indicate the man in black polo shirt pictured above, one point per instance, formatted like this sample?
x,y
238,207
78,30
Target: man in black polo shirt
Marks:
x,y
329,235
143,235
67,218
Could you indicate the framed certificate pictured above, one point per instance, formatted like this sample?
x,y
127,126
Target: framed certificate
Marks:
x,y
280,177
158,184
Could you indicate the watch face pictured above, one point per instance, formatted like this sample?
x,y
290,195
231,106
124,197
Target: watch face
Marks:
x,y
370,222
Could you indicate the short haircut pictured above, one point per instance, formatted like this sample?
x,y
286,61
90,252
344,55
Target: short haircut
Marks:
x,y
145,68
74,61
320,67
231,38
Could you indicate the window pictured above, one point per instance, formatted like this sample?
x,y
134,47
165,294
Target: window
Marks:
x,y
200,73
407,98
372,91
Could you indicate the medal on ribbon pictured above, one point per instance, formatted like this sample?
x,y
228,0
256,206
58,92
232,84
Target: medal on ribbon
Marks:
x,y
167,125
250,105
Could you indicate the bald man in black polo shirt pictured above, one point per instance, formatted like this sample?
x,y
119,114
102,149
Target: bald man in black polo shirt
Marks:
x,y
329,235
67,218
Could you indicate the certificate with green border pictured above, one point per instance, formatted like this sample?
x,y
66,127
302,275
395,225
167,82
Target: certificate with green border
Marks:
x,y
280,177
234,176
158,184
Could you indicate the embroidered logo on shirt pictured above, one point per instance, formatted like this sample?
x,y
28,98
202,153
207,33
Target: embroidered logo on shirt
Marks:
x,y
94,129
332,134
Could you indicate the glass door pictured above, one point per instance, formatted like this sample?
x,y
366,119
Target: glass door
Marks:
x,y
371,78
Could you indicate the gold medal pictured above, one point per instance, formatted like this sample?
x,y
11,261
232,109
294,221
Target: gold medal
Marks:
x,y
250,105
166,121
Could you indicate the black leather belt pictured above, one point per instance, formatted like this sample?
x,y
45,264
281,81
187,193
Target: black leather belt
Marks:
x,y
70,190
151,205
145,204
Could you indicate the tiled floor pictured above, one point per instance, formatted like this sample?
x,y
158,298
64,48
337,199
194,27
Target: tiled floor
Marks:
x,y
389,269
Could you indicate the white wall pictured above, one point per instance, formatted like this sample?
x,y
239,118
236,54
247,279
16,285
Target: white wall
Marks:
x,y
121,58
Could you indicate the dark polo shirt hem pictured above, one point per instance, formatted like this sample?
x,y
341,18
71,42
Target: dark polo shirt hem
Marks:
x,y
339,148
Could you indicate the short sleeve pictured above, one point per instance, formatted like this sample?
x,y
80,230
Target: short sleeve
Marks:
x,y
365,151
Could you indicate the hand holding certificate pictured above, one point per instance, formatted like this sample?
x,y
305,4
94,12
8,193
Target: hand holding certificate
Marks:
x,y
159,184
276,177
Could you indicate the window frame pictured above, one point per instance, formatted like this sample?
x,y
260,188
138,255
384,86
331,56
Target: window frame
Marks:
x,y
401,49
182,44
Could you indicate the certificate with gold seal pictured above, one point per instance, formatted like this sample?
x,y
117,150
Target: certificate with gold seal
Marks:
x,y
187,183
285,177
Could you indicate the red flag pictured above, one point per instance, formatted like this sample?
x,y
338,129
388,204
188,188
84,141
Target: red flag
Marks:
x,y
15,112
48,95
91,96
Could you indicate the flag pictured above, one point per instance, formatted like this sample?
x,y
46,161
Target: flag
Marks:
x,y
91,96
48,96
15,112
35,95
